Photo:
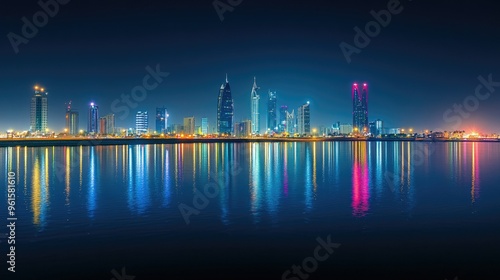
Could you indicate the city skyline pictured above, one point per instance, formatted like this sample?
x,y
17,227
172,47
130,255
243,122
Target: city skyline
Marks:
x,y
61,125
405,79
360,121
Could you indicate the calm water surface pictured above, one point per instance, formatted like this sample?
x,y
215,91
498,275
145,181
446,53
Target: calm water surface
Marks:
x,y
399,210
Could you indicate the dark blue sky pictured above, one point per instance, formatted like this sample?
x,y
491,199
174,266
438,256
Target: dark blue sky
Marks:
x,y
427,59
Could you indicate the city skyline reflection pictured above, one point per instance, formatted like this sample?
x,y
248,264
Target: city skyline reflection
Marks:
x,y
280,177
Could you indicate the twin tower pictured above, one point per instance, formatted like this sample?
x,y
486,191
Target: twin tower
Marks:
x,y
225,109
360,108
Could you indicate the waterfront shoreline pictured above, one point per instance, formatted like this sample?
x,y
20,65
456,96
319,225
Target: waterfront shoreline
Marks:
x,y
152,141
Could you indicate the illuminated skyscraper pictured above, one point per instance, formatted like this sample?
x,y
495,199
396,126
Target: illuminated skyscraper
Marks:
x,y
225,110
304,119
107,125
345,129
93,121
204,126
161,120
72,120
255,99
39,111
243,129
373,128
336,128
379,124
189,125
360,109
272,121
283,119
141,123
290,122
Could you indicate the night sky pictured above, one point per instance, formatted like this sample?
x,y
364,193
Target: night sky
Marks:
x,y
428,58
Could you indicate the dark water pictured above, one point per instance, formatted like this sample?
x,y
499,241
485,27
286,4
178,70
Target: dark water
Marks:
x,y
252,211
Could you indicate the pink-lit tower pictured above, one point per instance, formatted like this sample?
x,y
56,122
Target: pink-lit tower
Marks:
x,y
360,108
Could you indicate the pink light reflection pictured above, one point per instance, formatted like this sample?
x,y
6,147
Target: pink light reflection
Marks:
x,y
360,182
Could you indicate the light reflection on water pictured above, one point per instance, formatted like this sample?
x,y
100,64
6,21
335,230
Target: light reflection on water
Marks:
x,y
279,176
